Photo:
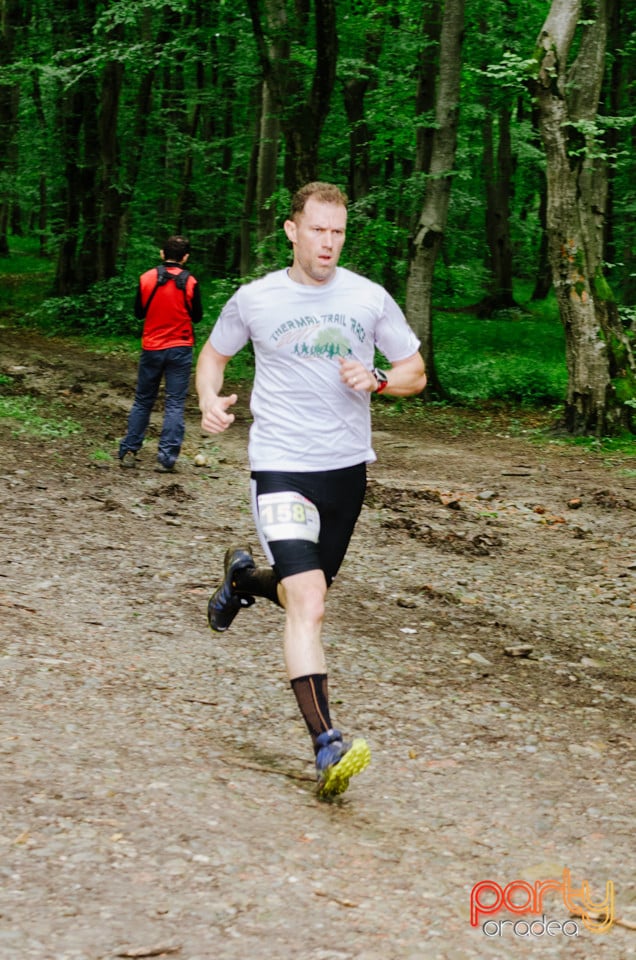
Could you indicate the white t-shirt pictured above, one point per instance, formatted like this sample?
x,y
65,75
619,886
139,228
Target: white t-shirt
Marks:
x,y
305,419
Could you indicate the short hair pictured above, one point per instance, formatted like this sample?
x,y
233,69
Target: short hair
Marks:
x,y
324,192
176,247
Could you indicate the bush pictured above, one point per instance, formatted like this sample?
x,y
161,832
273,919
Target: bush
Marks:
x,y
518,357
105,310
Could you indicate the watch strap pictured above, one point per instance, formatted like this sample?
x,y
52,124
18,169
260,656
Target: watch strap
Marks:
x,y
381,379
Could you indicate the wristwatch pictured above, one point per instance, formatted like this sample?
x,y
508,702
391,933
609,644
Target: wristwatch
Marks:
x,y
381,379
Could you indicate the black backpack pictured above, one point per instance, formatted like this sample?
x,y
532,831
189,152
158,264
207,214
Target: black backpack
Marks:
x,y
163,277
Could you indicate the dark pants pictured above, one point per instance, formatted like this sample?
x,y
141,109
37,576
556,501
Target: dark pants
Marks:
x,y
174,366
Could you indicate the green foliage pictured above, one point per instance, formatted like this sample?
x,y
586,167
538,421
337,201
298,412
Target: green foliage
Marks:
x,y
602,287
106,309
241,366
372,240
628,319
215,295
516,357
178,85
24,413
459,284
616,450
625,388
513,70
25,278
186,126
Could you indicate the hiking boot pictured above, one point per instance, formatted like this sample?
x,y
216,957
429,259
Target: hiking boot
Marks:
x,y
337,762
128,460
163,466
226,601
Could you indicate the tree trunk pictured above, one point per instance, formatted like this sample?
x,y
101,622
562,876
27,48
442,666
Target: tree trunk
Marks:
x,y
497,174
76,127
9,101
497,169
109,211
543,277
85,125
266,178
269,135
355,89
302,99
620,100
425,95
141,112
186,198
600,362
432,220
42,209
250,191
249,200
11,19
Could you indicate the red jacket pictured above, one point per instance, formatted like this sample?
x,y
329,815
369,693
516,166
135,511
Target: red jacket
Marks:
x,y
169,317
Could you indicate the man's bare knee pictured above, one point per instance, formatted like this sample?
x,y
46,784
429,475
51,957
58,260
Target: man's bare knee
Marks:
x,y
304,595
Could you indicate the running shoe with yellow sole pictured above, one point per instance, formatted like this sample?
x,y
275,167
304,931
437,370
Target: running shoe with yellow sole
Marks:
x,y
337,762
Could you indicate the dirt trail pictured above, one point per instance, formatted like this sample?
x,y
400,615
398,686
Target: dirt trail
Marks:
x,y
157,796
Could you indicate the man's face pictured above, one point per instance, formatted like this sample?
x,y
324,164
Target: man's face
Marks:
x,y
317,235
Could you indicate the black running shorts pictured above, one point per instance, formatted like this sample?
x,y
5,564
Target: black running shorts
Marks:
x,y
305,520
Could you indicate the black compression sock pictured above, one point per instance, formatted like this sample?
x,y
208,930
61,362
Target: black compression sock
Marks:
x,y
312,695
259,582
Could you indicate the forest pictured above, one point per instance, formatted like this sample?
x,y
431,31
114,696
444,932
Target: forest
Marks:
x,y
486,149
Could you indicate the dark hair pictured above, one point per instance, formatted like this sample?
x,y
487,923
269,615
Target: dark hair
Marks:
x,y
175,248
324,192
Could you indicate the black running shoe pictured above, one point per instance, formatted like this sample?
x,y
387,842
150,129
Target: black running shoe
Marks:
x,y
227,601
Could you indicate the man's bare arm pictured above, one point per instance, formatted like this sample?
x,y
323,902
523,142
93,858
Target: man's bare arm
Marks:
x,y
209,382
404,378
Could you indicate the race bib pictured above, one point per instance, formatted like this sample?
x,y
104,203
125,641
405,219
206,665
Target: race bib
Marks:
x,y
288,516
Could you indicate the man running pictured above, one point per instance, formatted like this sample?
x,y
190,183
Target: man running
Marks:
x,y
315,328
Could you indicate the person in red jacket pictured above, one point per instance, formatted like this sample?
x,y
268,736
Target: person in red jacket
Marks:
x,y
169,302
